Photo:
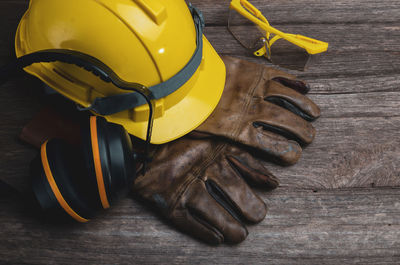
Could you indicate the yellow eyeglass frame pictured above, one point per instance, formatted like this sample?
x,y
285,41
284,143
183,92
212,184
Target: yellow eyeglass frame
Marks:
x,y
247,10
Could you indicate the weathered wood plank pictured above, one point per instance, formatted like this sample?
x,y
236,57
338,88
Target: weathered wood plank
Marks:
x,y
344,226
347,152
348,54
10,14
358,38
309,11
340,64
286,11
354,84
357,85
373,104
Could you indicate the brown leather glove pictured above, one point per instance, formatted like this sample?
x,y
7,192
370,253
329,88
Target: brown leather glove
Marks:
x,y
196,181
197,184
265,109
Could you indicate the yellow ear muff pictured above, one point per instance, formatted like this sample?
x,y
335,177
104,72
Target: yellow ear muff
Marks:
x,y
54,187
97,163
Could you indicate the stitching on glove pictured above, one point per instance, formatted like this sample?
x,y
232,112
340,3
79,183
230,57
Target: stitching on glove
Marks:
x,y
236,129
246,104
208,160
183,188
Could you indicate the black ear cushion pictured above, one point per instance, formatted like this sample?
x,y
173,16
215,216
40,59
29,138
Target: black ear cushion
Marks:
x,y
69,177
41,187
43,196
116,151
88,162
116,158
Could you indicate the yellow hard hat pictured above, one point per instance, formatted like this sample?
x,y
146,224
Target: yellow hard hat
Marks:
x,y
158,44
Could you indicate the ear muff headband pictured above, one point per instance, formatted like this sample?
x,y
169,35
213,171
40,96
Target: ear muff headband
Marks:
x,y
54,187
97,163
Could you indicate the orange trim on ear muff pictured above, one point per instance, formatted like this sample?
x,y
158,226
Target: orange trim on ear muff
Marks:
x,y
97,163
54,188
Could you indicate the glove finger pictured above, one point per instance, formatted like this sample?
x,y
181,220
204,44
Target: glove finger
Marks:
x,y
189,222
231,191
292,101
220,222
252,171
298,85
270,146
247,72
285,123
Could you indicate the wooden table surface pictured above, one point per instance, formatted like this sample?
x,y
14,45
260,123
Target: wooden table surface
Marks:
x,y
339,204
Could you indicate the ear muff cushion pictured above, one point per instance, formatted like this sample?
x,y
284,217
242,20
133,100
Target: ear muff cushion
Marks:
x,y
115,154
41,187
67,179
43,193
96,164
116,147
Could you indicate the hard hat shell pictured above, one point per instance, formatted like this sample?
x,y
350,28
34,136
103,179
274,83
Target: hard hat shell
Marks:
x,y
145,42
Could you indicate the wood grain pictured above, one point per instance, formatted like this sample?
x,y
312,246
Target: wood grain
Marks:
x,y
369,57
309,11
339,204
347,152
358,226
341,37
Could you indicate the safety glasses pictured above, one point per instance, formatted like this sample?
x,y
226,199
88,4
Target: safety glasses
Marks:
x,y
291,51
